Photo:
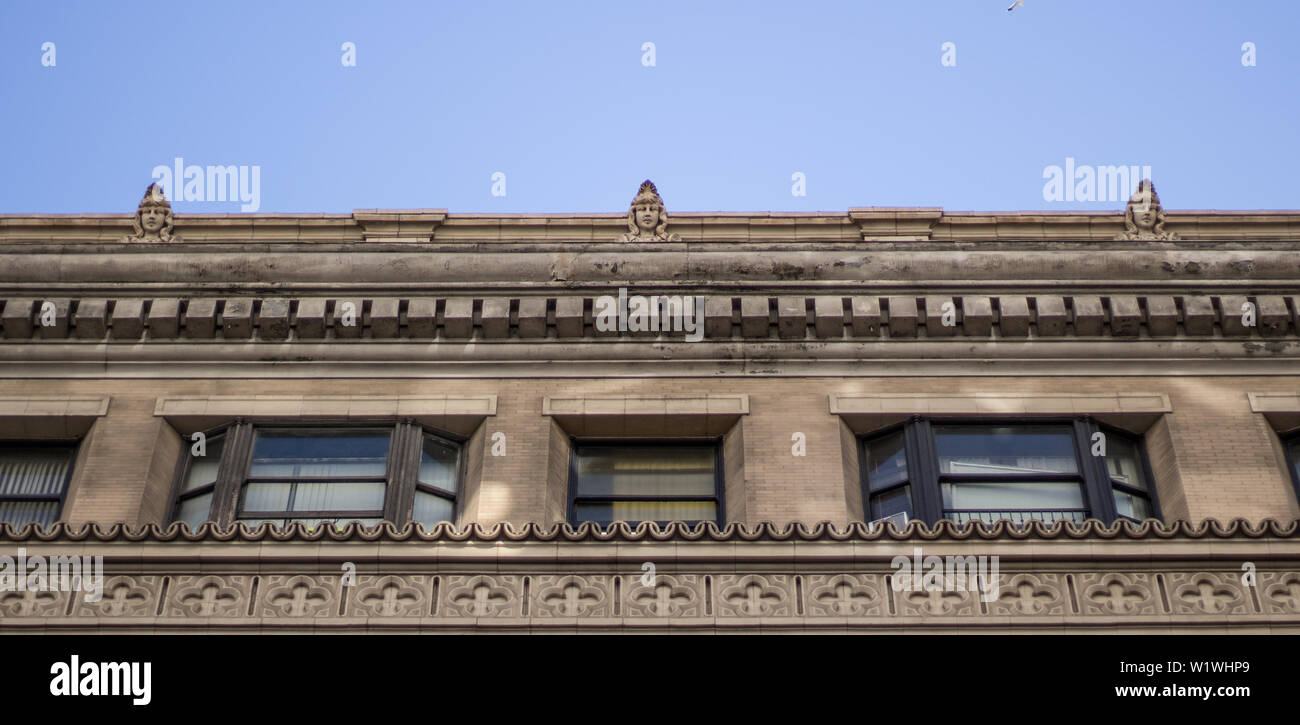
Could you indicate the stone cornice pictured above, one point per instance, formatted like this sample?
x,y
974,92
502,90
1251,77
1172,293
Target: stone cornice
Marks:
x,y
394,268
756,318
902,224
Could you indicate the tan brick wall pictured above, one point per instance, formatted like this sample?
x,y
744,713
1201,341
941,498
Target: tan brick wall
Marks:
x,y
1212,448
557,477
156,504
473,486
782,486
1164,468
1224,453
736,492
855,507
513,488
128,463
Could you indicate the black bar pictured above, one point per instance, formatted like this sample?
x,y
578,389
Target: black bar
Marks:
x,y
957,669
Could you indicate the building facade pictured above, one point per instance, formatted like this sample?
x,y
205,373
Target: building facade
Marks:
x,y
429,421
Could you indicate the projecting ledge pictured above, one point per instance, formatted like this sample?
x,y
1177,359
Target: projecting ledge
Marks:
x,y
864,412
1281,410
454,413
647,414
56,417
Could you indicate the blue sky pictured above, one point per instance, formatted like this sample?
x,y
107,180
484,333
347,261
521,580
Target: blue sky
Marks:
x,y
742,95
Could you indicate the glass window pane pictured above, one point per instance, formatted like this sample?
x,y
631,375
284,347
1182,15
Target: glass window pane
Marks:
x,y
1134,507
1016,517
18,513
338,496
203,469
894,502
1006,449
266,497
194,511
661,511
1124,462
311,524
439,463
1012,496
886,461
645,470
368,496
430,509
319,454
1293,455
34,470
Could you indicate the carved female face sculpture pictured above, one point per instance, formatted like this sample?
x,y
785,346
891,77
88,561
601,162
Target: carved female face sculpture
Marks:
x,y
1144,217
647,218
152,218
1144,212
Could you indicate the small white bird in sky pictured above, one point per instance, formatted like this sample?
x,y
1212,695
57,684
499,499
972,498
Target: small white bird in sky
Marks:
x,y
1016,4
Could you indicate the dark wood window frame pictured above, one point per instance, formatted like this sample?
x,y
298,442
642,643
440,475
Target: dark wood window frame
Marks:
x,y
925,480
405,447
1292,464
719,469
179,495
72,443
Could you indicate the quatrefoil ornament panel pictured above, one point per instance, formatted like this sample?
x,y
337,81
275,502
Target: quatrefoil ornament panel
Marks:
x,y
755,595
846,595
1031,595
1279,592
1114,594
208,596
482,596
389,596
33,603
1207,593
572,596
928,600
299,596
670,595
124,596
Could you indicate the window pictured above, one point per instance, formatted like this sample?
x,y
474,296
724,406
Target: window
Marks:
x,y
316,475
33,480
435,483
1126,469
1293,459
645,481
1043,470
195,498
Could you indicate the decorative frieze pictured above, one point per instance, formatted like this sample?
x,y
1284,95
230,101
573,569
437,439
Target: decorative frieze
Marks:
x,y
806,600
822,577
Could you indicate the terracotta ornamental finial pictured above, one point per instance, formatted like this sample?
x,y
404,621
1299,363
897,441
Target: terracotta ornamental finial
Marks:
x,y
1144,218
647,219
153,220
